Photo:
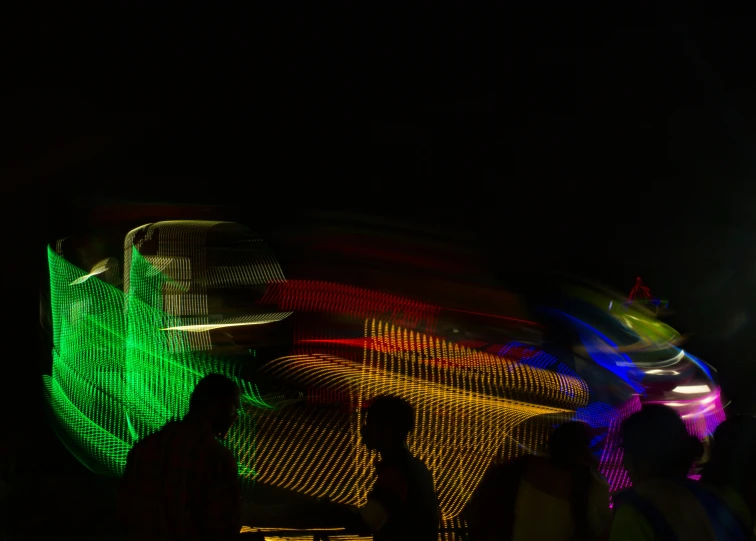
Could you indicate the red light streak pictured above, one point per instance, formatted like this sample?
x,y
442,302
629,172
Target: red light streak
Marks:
x,y
495,316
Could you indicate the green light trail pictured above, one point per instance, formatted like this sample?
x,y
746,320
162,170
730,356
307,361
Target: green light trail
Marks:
x,y
116,376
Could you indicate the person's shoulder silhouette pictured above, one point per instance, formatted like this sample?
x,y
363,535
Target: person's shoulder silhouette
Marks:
x,y
181,482
402,504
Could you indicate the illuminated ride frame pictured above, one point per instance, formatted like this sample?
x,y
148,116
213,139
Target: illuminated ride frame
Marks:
x,y
126,360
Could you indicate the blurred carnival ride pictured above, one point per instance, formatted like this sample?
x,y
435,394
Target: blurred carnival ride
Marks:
x,y
489,373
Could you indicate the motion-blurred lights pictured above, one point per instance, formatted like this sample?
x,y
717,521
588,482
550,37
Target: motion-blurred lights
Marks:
x,y
99,268
691,389
702,402
697,413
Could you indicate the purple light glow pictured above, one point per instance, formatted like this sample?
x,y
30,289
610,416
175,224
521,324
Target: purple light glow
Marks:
x,y
611,457
701,417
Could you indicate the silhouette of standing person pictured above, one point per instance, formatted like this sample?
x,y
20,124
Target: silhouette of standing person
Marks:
x,y
663,503
181,482
731,468
402,504
560,496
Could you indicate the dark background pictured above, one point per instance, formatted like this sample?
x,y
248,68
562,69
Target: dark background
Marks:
x,y
605,143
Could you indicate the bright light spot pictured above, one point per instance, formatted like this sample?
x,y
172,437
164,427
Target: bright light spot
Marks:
x,y
257,319
709,399
101,267
697,413
691,389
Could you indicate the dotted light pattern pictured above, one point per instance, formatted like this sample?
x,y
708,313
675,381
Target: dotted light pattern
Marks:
x,y
700,421
465,414
705,420
125,363
596,414
446,361
611,457
471,413
115,377
179,250
532,356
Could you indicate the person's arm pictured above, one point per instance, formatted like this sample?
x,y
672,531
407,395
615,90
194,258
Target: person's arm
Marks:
x,y
373,514
389,494
390,490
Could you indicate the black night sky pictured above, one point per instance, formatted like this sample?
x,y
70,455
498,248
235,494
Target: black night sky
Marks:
x,y
602,143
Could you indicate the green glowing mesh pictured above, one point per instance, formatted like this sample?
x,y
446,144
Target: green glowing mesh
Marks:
x,y
116,376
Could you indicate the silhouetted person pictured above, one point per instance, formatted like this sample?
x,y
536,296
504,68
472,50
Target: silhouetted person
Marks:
x,y
732,466
181,482
402,504
663,503
561,496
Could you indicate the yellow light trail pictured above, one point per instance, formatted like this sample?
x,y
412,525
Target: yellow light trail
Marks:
x,y
464,417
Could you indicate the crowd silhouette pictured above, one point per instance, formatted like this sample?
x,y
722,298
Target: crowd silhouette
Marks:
x,y
182,483
562,496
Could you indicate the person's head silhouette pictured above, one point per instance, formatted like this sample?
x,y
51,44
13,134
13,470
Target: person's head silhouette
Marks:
x,y
215,400
569,445
388,422
657,444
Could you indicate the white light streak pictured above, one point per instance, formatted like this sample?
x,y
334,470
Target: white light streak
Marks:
x,y
691,389
260,319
